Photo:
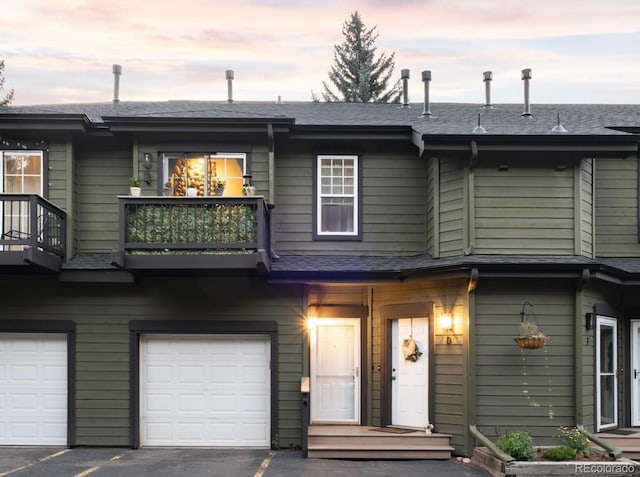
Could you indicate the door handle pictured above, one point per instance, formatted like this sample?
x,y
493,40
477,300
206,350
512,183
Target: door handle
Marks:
x,y
635,374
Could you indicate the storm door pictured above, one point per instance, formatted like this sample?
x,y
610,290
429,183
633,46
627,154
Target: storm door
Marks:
x,y
606,373
335,371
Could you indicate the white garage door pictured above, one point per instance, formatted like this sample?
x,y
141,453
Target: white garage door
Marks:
x,y
33,389
205,390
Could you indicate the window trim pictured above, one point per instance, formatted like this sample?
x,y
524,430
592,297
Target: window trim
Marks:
x,y
44,176
356,235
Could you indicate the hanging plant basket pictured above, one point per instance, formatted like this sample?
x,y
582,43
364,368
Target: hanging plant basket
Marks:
x,y
530,336
531,342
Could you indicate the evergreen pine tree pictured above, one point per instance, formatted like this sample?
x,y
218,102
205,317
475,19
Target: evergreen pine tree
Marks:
x,y
356,74
9,96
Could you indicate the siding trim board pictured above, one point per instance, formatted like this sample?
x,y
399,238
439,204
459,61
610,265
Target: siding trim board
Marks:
x,y
139,327
54,326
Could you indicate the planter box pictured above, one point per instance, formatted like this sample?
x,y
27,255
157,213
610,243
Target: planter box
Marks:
x,y
619,467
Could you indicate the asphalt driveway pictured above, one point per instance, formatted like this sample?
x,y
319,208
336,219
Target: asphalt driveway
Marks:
x,y
109,462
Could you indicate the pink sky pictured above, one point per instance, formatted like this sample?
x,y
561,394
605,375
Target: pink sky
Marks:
x,y
585,51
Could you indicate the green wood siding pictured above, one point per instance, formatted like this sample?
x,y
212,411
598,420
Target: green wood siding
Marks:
x,y
104,169
531,389
524,210
61,187
586,207
102,314
451,210
616,200
393,205
432,207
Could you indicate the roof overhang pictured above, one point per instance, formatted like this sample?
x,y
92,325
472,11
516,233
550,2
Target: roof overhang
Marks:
x,y
176,124
48,122
591,146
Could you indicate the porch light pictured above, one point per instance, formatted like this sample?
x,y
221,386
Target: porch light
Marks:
x,y
146,164
311,323
588,321
446,325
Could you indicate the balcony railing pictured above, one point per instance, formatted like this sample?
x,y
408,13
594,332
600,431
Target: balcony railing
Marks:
x,y
193,232
32,230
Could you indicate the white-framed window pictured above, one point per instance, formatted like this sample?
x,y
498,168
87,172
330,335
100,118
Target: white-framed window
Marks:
x,y
203,172
337,196
21,172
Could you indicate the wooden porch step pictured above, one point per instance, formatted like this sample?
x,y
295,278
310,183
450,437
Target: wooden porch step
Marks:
x,y
629,444
364,442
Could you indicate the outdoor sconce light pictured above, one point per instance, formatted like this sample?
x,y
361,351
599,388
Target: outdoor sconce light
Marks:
x,y
588,321
446,325
146,163
311,323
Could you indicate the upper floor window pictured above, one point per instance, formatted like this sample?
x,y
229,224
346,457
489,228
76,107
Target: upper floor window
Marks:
x,y
21,172
204,174
337,196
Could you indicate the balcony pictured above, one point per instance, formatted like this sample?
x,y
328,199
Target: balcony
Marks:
x,y
190,233
33,232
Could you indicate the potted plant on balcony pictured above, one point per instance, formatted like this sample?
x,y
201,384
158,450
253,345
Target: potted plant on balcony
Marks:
x,y
218,186
134,186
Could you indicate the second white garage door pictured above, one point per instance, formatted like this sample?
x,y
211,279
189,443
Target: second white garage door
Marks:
x,y
205,390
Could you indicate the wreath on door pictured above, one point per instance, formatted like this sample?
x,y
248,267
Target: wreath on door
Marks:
x,y
410,349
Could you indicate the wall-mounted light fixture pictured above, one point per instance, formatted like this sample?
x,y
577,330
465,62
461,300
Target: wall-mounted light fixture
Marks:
x,y
446,325
588,321
146,164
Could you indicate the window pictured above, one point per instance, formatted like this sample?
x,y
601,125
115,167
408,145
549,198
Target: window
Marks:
x,y
205,174
337,196
21,172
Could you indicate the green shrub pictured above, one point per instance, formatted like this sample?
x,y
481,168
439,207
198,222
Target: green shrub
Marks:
x,y
573,438
560,453
518,444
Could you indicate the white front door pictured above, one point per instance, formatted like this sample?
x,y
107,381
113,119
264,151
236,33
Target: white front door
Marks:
x,y
635,376
409,379
606,372
335,371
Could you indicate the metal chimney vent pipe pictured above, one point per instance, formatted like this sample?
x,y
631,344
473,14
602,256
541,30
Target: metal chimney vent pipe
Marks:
x,y
526,77
488,76
404,74
229,77
426,79
117,71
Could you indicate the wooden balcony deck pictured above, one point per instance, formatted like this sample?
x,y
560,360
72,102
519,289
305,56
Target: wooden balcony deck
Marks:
x,y
365,442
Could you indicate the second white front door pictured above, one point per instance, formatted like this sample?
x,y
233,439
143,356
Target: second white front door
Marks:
x,y
409,379
335,371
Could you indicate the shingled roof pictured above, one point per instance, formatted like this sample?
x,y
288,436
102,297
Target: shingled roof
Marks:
x,y
448,119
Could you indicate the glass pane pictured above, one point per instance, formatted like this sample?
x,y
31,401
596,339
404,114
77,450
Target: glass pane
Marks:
x,y
31,185
607,400
337,215
606,349
12,184
31,165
